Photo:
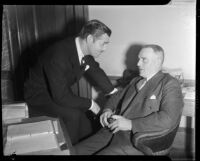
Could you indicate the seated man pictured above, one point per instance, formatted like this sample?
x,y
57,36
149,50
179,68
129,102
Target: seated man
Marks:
x,y
152,102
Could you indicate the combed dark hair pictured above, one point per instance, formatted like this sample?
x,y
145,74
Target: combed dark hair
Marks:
x,y
95,28
156,49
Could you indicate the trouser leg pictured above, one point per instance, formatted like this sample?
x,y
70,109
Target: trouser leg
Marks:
x,y
120,150
120,145
93,143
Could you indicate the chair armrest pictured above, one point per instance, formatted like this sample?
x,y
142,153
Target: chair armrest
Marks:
x,y
155,143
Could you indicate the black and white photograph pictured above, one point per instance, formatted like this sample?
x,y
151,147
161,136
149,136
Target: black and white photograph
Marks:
x,y
81,80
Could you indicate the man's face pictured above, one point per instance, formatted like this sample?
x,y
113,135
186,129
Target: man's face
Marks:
x,y
98,45
147,63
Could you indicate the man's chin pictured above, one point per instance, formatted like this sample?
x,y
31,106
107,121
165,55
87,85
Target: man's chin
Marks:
x,y
96,56
141,74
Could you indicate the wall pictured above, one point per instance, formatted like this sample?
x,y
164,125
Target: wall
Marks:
x,y
171,26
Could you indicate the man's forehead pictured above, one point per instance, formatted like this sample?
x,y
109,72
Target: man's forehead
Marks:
x,y
146,52
104,37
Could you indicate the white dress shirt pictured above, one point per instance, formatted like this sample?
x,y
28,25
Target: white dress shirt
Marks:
x,y
79,51
147,79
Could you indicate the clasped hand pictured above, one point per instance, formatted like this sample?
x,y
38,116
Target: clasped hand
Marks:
x,y
119,123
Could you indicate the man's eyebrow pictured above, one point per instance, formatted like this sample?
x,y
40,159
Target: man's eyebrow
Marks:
x,y
107,42
140,57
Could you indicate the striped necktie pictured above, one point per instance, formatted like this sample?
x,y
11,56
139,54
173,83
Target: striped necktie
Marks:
x,y
141,83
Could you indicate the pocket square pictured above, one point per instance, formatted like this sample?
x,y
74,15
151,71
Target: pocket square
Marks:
x,y
153,97
87,67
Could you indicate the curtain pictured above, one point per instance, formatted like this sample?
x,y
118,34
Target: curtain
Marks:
x,y
29,29
6,83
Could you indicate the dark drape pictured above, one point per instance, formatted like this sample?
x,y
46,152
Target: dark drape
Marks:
x,y
31,28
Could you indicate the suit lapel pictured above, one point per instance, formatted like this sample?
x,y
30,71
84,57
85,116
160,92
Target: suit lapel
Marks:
x,y
130,94
144,93
150,86
75,61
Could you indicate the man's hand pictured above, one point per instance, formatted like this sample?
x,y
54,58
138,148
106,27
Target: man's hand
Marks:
x,y
120,123
104,117
95,107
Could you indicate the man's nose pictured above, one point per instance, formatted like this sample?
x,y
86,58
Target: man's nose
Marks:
x,y
104,48
138,63
102,51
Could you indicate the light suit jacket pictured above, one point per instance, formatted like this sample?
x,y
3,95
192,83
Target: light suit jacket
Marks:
x,y
157,106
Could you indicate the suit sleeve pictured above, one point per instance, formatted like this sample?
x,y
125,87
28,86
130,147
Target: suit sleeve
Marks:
x,y
98,76
171,107
113,101
58,75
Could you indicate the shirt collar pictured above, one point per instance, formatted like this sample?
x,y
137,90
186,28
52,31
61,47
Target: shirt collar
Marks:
x,y
79,51
151,76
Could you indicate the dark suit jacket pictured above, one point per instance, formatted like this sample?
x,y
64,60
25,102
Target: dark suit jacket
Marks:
x,y
57,70
157,106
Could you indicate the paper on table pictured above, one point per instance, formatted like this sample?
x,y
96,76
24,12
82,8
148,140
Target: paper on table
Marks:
x,y
189,92
55,124
27,129
189,95
15,104
58,131
31,144
30,137
14,111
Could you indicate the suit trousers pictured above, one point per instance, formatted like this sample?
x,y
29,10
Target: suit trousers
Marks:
x,y
76,122
105,143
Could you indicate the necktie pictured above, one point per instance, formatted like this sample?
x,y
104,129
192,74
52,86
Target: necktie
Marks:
x,y
119,105
139,86
141,83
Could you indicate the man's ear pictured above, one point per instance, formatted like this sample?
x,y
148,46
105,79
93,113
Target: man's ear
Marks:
x,y
90,38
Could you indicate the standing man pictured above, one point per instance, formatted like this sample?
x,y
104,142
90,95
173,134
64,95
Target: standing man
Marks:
x,y
152,102
48,89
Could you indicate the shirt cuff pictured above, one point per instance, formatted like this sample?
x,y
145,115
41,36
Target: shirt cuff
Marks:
x,y
113,91
87,67
107,109
91,105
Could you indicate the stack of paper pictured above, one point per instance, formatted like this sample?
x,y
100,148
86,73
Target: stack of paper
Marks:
x,y
189,93
175,72
14,112
30,137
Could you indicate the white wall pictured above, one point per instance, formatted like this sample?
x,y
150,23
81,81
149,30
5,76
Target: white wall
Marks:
x,y
172,27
